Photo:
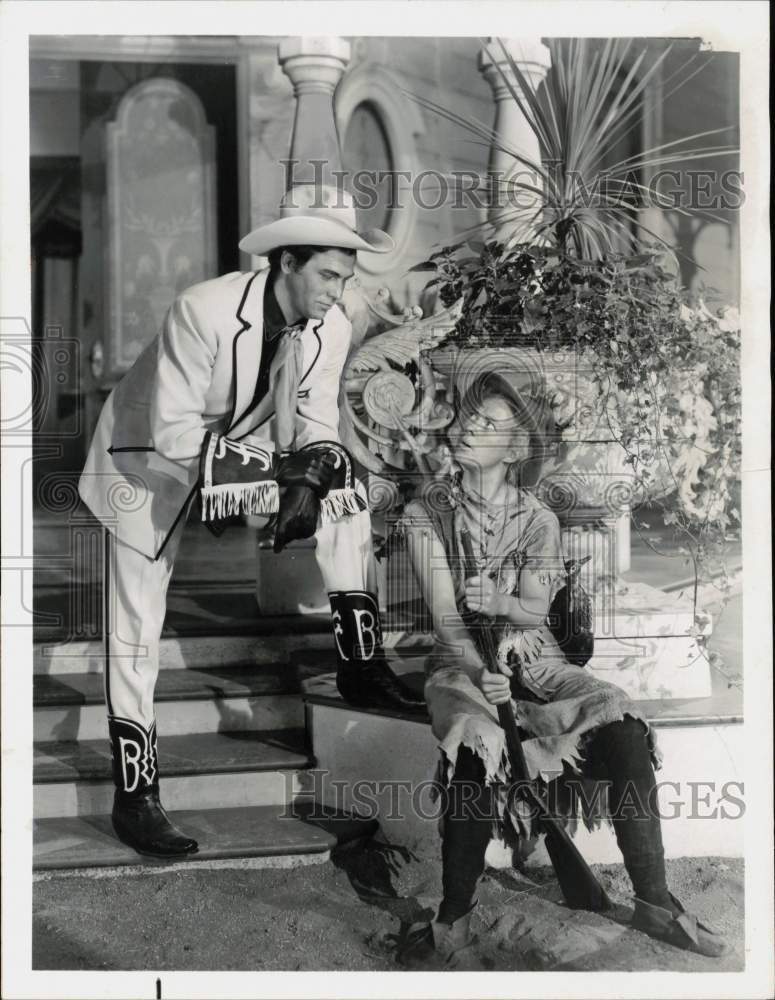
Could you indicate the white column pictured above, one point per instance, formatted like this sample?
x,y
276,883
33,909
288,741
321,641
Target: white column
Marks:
x,y
314,66
532,58
623,551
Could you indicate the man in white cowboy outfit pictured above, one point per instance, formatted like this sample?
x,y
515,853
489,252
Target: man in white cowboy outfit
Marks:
x,y
247,364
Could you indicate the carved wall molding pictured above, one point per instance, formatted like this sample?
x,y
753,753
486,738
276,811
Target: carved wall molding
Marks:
x,y
140,48
161,209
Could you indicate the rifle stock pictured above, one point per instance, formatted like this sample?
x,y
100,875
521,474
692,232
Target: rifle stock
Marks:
x,y
578,883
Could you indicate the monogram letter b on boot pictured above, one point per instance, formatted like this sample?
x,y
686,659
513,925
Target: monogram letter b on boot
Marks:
x,y
363,677
139,819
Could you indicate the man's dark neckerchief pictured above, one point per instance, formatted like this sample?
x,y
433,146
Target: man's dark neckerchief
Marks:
x,y
274,325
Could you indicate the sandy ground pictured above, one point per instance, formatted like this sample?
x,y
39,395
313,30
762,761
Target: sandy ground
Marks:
x,y
346,913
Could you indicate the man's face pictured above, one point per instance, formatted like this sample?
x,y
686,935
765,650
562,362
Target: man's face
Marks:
x,y
319,284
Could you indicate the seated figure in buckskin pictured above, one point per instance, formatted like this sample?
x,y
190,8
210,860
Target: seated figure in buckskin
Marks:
x,y
579,733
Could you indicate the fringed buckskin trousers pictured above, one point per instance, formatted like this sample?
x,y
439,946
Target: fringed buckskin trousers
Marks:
x,y
616,753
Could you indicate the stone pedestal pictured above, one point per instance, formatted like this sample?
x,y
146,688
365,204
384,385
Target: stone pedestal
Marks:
x,y
645,643
289,582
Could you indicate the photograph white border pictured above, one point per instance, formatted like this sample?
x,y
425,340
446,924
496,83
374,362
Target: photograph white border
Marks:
x,y
723,26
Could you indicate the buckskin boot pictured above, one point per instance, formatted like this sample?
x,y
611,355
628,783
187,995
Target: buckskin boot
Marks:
x,y
678,927
363,677
139,819
440,946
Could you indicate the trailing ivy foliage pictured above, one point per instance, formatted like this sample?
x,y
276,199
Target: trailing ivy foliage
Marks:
x,y
667,373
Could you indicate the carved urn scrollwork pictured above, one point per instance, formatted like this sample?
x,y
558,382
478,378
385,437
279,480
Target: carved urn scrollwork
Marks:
x,y
391,398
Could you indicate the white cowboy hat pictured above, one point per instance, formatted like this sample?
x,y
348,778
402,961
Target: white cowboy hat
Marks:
x,y
316,215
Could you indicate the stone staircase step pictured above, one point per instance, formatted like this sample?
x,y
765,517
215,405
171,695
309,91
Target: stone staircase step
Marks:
x,y
64,610
726,708
191,791
191,652
265,696
199,770
266,831
183,685
174,718
207,753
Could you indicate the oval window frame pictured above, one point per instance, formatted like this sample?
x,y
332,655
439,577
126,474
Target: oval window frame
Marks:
x,y
401,121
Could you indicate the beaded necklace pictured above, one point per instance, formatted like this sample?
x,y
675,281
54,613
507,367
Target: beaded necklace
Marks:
x,y
489,522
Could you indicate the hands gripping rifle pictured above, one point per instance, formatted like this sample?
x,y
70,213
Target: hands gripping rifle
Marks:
x,y
581,889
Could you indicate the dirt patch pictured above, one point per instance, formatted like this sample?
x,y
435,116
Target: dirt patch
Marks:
x,y
345,915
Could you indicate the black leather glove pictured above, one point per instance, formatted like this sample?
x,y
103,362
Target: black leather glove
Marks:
x,y
314,469
298,515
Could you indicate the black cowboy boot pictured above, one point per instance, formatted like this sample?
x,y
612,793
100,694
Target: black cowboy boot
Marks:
x,y
363,677
139,819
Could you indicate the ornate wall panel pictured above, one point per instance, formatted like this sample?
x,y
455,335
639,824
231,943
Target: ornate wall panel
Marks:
x,y
161,210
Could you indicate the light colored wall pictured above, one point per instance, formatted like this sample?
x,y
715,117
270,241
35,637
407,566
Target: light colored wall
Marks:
x,y
708,101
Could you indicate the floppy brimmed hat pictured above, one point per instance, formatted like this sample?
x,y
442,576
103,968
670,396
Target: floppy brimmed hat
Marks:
x,y
532,410
317,215
528,402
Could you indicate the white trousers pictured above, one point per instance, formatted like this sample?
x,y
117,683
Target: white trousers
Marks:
x,y
135,603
